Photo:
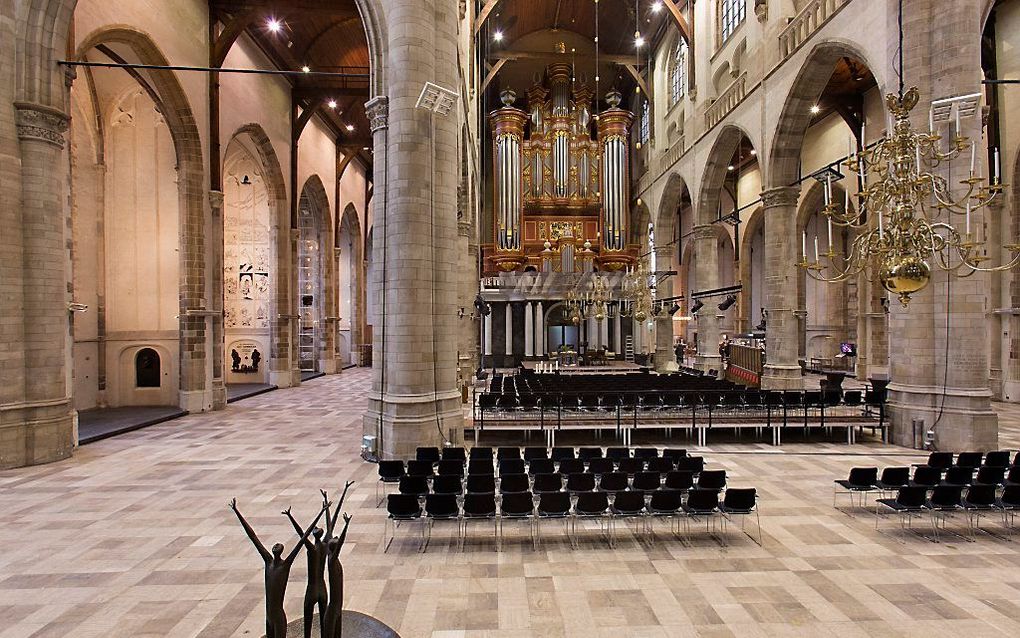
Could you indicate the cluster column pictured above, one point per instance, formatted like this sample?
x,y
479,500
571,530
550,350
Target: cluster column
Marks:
x,y
706,247
782,370
665,358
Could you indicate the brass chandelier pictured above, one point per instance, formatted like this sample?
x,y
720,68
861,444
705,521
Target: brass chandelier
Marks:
x,y
905,208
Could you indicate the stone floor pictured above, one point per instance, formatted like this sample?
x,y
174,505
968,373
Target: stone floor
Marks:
x,y
132,537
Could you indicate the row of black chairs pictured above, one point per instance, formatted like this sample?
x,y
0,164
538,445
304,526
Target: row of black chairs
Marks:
x,y
560,453
866,480
974,460
941,502
607,508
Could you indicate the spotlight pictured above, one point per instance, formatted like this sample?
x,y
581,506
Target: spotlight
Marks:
x,y
731,167
675,308
639,41
656,7
815,110
497,36
728,302
754,152
273,25
350,128
306,69
482,307
698,305
332,104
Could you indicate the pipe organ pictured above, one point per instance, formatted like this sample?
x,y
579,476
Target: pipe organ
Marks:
x,y
560,176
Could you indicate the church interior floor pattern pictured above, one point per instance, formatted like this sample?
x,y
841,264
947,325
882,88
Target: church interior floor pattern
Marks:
x,y
132,537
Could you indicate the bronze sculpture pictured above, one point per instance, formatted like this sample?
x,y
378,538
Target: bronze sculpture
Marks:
x,y
277,570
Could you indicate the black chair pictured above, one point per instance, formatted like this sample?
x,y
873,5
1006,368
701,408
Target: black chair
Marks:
x,y
570,466
430,454
389,474
552,505
660,464
666,504
742,502
979,499
533,453
548,483
420,467
447,484
997,458
712,480
451,467
590,505
439,507
1013,477
892,479
613,482
589,453
517,506
940,460
561,453
601,466
454,454
678,480
861,481
505,453
480,466
674,453
944,501
618,453
631,465
580,482
908,504
1009,504
970,460
402,508
413,486
701,503
478,507
958,476
691,464
481,454
514,483
647,481
646,453
541,466
626,505
926,476
990,475
512,466
480,484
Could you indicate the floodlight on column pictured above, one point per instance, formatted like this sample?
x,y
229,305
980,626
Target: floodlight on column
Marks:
x,y
437,99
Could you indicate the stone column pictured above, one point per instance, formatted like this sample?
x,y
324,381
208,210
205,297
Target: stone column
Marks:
x,y
529,331
37,425
781,274
706,247
488,336
617,334
539,331
219,390
508,318
415,400
938,349
665,358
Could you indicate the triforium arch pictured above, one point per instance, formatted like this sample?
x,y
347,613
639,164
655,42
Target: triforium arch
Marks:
x,y
316,276
268,255
178,115
783,166
350,285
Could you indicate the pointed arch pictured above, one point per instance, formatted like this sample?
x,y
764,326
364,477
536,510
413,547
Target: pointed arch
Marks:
x,y
709,197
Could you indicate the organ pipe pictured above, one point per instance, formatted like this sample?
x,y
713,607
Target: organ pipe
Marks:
x,y
614,131
508,131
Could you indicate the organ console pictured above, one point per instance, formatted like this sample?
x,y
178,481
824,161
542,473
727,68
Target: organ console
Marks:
x,y
560,177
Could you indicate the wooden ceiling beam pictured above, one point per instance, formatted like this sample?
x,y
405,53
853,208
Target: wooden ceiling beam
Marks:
x,y
548,55
483,15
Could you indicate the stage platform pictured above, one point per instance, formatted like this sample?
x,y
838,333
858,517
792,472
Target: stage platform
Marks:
x,y
613,367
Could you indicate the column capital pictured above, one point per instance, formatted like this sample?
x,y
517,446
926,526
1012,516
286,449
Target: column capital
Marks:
x,y
703,231
41,123
216,201
780,196
378,111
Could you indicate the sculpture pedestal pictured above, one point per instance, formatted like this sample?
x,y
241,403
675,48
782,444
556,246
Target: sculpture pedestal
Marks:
x,y
356,625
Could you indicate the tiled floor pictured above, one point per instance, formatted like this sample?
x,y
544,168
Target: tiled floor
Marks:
x,y
132,537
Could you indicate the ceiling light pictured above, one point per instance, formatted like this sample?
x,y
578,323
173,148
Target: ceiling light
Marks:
x,y
754,152
273,25
730,167
656,7
498,36
639,41
349,127
332,104
815,109
306,69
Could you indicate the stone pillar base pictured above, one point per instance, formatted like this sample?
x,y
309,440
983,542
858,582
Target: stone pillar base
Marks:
x,y
409,421
219,394
281,378
968,421
329,366
195,401
36,434
782,378
706,362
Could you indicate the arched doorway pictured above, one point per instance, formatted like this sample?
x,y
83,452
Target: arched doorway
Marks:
x,y
349,280
314,337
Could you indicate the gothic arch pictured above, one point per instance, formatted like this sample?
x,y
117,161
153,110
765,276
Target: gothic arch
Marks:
x,y
726,144
666,222
795,118
320,315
